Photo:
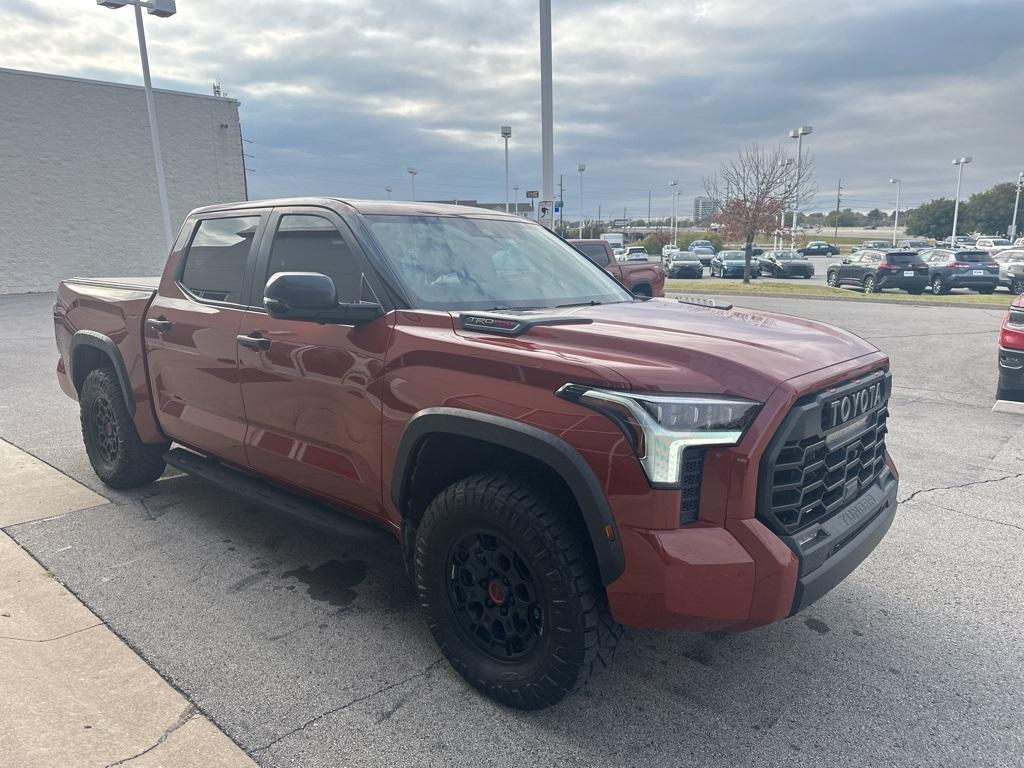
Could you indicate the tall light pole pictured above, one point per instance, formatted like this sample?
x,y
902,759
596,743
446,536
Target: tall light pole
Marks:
x,y
547,131
516,190
798,134
673,185
777,240
960,162
1016,205
581,168
387,191
161,9
896,220
506,134
412,177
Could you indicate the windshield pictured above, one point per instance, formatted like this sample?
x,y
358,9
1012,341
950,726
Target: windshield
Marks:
x,y
683,256
788,255
733,256
999,241
447,262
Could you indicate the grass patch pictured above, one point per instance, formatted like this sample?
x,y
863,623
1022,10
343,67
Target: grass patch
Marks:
x,y
802,290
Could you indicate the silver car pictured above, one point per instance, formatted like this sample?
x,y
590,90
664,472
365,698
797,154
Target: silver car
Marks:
x,y
1011,270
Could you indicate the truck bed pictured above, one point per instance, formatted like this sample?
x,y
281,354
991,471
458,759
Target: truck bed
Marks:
x,y
126,283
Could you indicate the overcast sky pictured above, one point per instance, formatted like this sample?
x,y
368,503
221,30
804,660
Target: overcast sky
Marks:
x,y
339,96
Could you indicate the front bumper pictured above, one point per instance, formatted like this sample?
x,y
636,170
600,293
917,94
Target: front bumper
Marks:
x,y
686,272
738,272
1011,372
972,281
708,578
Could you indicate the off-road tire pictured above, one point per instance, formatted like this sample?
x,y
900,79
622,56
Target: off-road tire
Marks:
x,y
915,291
986,291
577,634
119,458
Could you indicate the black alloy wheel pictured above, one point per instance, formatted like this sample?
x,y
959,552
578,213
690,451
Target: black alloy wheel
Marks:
x,y
494,595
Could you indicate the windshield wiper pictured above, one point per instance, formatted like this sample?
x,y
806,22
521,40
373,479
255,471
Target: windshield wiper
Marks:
x,y
502,308
591,303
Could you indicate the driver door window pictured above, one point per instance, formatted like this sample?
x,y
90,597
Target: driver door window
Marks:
x,y
308,243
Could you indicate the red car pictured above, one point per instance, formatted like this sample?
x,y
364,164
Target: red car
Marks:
x,y
555,456
1011,354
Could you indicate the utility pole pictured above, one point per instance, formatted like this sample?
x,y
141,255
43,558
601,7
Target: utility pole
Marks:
x,y
599,215
648,207
561,205
839,198
1016,205
547,131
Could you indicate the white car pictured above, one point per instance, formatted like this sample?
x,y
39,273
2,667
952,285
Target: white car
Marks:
x,y
635,253
1011,269
993,244
668,250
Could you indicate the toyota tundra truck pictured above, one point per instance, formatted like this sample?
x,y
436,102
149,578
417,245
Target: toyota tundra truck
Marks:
x,y
555,456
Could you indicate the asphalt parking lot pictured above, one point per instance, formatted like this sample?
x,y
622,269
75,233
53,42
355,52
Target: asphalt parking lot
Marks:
x,y
310,652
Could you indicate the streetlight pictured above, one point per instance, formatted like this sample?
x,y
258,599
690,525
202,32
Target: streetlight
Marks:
x,y
777,240
798,134
387,191
673,185
161,9
1016,205
960,162
412,177
506,134
581,168
896,221
515,188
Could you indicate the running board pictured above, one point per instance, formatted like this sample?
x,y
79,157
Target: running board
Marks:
x,y
263,494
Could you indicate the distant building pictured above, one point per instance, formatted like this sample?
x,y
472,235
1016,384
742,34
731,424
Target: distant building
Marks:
x,y
79,194
703,208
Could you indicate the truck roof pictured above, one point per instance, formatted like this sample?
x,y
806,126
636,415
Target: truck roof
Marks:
x,y
394,207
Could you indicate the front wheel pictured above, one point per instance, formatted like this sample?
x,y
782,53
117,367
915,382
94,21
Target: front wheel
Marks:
x,y
117,454
986,291
510,592
937,287
1017,287
833,280
869,285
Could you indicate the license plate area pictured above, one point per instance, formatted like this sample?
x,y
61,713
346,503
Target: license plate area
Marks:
x,y
908,273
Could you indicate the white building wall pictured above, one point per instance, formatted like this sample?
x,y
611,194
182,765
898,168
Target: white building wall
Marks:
x,y
78,190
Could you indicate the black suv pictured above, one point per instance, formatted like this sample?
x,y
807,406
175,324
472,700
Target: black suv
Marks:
x,y
875,270
684,264
786,264
960,269
819,248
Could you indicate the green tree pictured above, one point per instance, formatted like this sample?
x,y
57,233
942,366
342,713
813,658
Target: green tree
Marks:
x,y
876,217
988,212
715,238
655,241
932,219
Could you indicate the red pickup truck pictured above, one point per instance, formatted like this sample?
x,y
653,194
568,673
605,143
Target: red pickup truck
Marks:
x,y
555,456
643,278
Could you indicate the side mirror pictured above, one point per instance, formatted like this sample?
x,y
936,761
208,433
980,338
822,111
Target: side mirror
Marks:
x,y
847,261
312,296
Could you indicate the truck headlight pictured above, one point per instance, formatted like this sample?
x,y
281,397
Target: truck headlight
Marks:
x,y
661,427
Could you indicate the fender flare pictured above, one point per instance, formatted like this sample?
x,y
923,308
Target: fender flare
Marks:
x,y
532,441
105,345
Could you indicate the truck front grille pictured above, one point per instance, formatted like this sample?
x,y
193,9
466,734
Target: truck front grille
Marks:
x,y
690,481
809,473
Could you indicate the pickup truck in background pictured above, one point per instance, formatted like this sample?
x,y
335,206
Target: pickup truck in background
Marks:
x,y
554,456
644,278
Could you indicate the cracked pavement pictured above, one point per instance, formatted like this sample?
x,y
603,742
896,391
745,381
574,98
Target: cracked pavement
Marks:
x,y
309,652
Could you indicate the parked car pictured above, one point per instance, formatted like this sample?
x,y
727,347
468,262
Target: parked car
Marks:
x,y
685,264
530,434
785,264
704,253
819,248
732,264
635,253
962,241
643,279
993,244
700,244
948,269
913,245
1011,354
874,271
876,245
1011,270
668,250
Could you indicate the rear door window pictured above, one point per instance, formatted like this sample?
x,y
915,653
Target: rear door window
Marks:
x,y
215,262
905,259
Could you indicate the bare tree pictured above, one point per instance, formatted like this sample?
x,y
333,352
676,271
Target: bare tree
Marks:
x,y
753,189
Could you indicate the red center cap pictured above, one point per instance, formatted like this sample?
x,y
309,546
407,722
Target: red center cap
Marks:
x,y
496,591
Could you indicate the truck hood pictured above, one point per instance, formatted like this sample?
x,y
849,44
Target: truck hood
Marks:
x,y
668,346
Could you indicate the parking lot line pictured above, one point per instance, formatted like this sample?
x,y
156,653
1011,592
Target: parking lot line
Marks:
x,y
33,490
74,694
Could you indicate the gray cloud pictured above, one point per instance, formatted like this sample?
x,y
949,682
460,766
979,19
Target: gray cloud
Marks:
x,y
340,97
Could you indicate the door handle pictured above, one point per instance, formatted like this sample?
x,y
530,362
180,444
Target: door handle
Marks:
x,y
160,326
254,342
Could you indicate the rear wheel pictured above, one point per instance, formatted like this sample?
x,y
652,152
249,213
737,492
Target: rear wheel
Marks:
x,y
915,291
870,285
938,287
1017,287
510,591
833,280
117,454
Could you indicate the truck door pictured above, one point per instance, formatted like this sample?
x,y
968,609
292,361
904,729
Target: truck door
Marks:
x,y
191,328
312,392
